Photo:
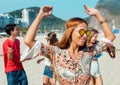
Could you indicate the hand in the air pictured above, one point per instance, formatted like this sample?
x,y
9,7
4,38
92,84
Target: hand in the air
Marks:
x,y
46,10
91,11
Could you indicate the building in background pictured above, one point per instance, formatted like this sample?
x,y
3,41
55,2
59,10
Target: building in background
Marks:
x,y
28,16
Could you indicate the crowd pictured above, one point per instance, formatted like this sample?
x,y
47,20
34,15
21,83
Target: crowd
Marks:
x,y
72,60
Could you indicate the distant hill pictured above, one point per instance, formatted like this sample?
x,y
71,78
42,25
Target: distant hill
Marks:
x,y
18,13
113,6
50,22
110,9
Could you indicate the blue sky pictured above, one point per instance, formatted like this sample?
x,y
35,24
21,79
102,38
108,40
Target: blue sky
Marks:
x,y
64,9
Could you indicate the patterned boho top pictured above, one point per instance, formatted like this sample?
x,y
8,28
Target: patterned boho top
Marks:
x,y
68,70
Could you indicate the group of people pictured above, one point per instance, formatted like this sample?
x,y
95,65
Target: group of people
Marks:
x,y
73,60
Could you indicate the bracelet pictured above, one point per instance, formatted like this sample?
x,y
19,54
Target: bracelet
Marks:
x,y
104,21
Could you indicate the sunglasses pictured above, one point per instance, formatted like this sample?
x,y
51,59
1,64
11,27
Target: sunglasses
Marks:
x,y
82,32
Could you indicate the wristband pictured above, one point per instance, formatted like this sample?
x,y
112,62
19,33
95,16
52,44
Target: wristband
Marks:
x,y
104,21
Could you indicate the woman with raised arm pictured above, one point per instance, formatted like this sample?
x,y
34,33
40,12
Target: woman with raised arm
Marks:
x,y
96,78
48,74
71,62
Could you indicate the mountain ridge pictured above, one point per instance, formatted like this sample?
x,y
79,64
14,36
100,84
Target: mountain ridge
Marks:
x,y
110,9
50,22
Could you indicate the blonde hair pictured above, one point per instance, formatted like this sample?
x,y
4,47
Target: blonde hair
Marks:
x,y
93,32
70,25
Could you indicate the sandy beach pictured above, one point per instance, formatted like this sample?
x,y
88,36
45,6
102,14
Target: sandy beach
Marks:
x,y
110,68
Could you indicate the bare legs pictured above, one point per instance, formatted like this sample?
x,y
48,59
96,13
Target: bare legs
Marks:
x,y
96,81
48,81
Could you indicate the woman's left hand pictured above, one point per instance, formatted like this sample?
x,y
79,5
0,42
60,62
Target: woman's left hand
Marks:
x,y
91,11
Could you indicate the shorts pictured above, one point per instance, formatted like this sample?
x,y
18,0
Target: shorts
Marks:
x,y
17,78
95,70
48,72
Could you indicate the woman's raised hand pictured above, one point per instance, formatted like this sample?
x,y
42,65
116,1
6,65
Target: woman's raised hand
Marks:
x,y
46,11
91,11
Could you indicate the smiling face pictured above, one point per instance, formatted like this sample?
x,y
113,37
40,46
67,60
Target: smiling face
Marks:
x,y
94,38
73,35
77,39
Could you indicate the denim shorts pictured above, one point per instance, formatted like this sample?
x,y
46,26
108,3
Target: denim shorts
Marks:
x,y
48,72
17,78
95,69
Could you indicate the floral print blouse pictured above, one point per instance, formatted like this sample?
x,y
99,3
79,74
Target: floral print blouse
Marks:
x,y
72,72
68,70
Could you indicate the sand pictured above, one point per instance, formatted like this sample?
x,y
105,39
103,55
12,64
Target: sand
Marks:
x,y
110,68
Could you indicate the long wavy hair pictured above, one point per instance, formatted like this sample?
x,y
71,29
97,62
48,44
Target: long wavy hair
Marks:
x,y
70,25
93,32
